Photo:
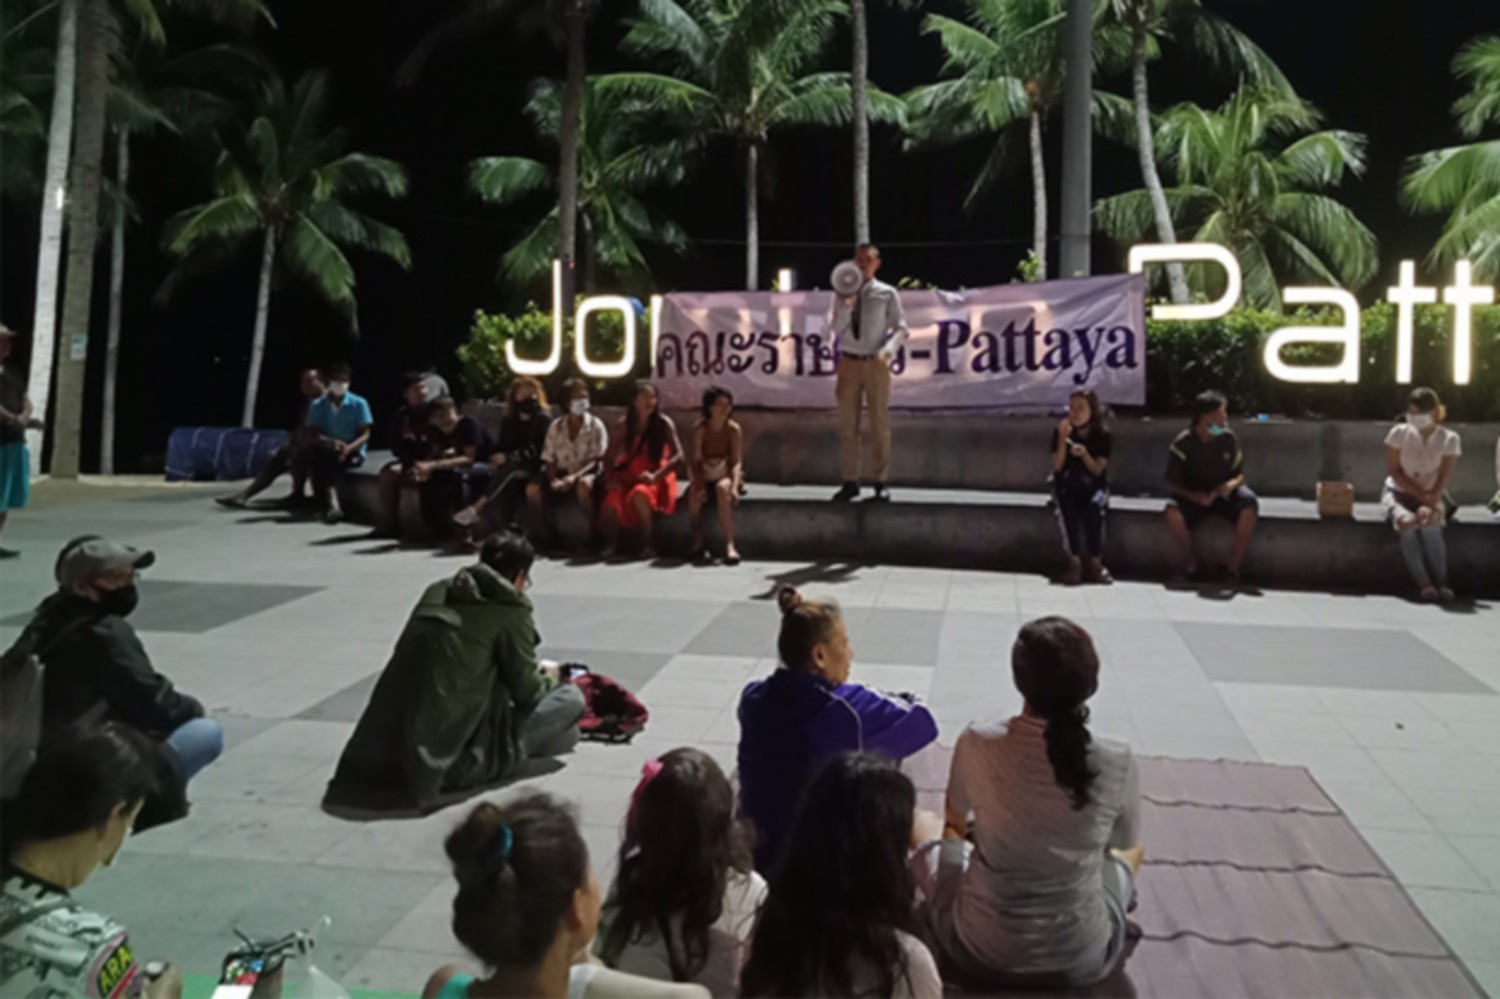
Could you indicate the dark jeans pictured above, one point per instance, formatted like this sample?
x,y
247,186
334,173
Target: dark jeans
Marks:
x,y
321,465
1081,513
505,490
440,497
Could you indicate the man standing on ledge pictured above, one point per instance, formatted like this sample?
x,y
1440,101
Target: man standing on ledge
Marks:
x,y
871,329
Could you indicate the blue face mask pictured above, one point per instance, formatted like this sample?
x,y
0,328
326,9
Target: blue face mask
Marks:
x,y
1217,430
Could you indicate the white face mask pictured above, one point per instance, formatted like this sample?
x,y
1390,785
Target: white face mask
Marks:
x,y
338,388
1419,420
579,406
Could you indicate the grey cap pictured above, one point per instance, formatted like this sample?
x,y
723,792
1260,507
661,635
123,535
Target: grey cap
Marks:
x,y
97,557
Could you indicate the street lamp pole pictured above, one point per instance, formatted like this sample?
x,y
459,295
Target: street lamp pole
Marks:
x,y
1078,138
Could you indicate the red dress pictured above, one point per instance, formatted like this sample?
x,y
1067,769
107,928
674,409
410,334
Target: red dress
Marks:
x,y
662,495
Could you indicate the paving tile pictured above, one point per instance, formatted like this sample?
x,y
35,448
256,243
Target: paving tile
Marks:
x,y
895,636
285,834
1439,771
313,740
663,693
744,628
1469,921
1370,806
1334,764
1270,726
1392,733
895,679
345,706
1422,860
1461,812
196,607
250,776
1483,854
1487,973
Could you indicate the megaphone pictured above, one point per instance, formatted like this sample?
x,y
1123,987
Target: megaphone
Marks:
x,y
847,278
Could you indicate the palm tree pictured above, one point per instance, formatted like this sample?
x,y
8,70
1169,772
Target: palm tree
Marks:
x,y
615,168
188,95
859,32
1011,67
1190,24
566,23
27,36
1249,176
288,182
1464,181
740,68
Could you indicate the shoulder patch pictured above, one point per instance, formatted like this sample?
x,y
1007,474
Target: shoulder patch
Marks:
x,y
115,972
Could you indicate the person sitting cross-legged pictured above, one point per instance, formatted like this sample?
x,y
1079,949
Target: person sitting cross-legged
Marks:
x,y
1030,887
462,702
683,905
528,906
1206,475
97,670
77,804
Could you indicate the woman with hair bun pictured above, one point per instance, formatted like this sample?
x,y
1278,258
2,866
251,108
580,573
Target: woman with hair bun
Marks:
x,y
1054,819
807,712
527,906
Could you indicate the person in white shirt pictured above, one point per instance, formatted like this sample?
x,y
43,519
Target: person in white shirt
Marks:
x,y
571,457
1419,458
1039,898
871,327
682,908
839,920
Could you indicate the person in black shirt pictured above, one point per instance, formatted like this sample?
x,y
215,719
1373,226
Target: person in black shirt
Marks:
x,y
517,460
15,420
1206,476
412,443
457,445
281,459
1080,456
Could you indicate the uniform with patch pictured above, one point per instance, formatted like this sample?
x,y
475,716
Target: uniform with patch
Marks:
x,y
53,948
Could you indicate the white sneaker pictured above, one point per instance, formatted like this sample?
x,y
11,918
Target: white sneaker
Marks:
x,y
467,517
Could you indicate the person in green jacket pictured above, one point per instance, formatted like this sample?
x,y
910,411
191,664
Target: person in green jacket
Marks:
x,y
462,702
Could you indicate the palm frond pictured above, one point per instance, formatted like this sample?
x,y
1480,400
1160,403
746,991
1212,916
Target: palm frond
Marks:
x,y
224,219
1478,66
1323,159
501,180
309,252
966,48
532,256
348,227
1443,180
357,173
1231,49
1332,231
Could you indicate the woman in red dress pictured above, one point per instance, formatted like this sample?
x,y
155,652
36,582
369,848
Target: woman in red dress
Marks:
x,y
642,477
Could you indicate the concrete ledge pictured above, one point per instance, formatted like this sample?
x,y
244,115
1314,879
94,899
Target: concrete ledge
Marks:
x,y
1016,532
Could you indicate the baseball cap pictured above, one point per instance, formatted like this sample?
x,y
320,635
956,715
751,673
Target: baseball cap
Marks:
x,y
91,558
6,330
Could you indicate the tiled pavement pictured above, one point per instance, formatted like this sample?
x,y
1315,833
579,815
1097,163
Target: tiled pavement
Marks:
x,y
281,629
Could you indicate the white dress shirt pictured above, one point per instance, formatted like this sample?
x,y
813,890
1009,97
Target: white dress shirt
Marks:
x,y
882,323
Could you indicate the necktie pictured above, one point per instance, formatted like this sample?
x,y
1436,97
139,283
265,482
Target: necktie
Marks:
x,y
859,302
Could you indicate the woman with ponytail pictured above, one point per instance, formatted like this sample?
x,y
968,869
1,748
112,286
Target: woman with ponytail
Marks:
x,y
1040,897
808,712
528,906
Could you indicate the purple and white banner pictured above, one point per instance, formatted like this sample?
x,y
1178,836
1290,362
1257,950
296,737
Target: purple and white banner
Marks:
x,y
1020,346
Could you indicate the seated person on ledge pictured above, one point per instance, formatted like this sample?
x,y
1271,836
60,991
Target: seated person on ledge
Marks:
x,y
1206,475
528,906
717,471
77,804
280,461
571,459
517,457
1421,454
459,447
410,444
807,712
343,422
98,671
462,702
1040,895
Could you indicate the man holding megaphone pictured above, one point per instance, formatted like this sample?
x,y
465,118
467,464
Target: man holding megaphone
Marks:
x,y
871,328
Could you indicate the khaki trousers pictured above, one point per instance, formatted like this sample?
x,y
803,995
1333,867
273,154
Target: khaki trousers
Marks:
x,y
861,381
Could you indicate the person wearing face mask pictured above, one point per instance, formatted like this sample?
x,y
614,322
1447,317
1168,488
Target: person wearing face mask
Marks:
x,y
807,712
517,459
77,805
97,670
1206,477
1420,455
445,477
1081,448
572,456
344,422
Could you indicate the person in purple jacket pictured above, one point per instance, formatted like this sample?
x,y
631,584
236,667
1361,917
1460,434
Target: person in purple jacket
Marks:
x,y
808,712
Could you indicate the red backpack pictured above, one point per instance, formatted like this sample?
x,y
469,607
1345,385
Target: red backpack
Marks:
x,y
613,714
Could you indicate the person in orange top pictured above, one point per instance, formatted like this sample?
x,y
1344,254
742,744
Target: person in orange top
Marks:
x,y
642,476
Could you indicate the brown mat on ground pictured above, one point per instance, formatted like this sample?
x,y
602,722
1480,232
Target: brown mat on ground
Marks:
x,y
1257,885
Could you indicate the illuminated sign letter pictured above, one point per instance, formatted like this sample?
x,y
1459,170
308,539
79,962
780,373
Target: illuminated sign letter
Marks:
x,y
547,365
1162,253
1406,296
1347,335
605,369
1463,295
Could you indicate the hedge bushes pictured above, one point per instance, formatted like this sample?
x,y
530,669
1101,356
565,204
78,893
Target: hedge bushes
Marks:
x,y
1182,359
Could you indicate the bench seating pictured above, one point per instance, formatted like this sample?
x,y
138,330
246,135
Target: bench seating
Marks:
x,y
1016,532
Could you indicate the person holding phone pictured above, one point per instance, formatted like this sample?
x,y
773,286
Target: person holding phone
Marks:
x,y
1080,487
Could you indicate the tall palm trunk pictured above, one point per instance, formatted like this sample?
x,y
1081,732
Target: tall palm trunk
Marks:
x,y
54,203
83,229
576,30
1146,144
1038,197
262,320
860,92
116,305
752,217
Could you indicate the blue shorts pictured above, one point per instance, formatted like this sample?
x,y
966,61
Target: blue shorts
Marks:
x,y
15,476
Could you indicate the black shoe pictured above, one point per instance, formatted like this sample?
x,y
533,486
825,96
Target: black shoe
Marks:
x,y
850,491
882,495
8,553
235,502
333,516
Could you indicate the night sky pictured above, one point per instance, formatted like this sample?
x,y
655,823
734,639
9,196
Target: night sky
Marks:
x,y
1375,66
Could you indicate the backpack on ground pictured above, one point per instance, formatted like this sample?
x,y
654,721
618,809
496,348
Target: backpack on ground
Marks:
x,y
613,713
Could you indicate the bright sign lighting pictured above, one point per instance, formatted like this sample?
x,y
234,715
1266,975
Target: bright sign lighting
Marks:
x,y
547,365
1346,335
605,369
1176,253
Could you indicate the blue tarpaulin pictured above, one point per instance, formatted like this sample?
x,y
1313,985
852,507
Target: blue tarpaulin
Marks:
x,y
219,454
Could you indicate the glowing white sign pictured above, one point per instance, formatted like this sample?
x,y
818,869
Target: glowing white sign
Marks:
x,y
1463,295
544,367
605,369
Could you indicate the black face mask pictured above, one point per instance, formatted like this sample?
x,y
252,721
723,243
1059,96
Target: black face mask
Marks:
x,y
529,407
120,602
